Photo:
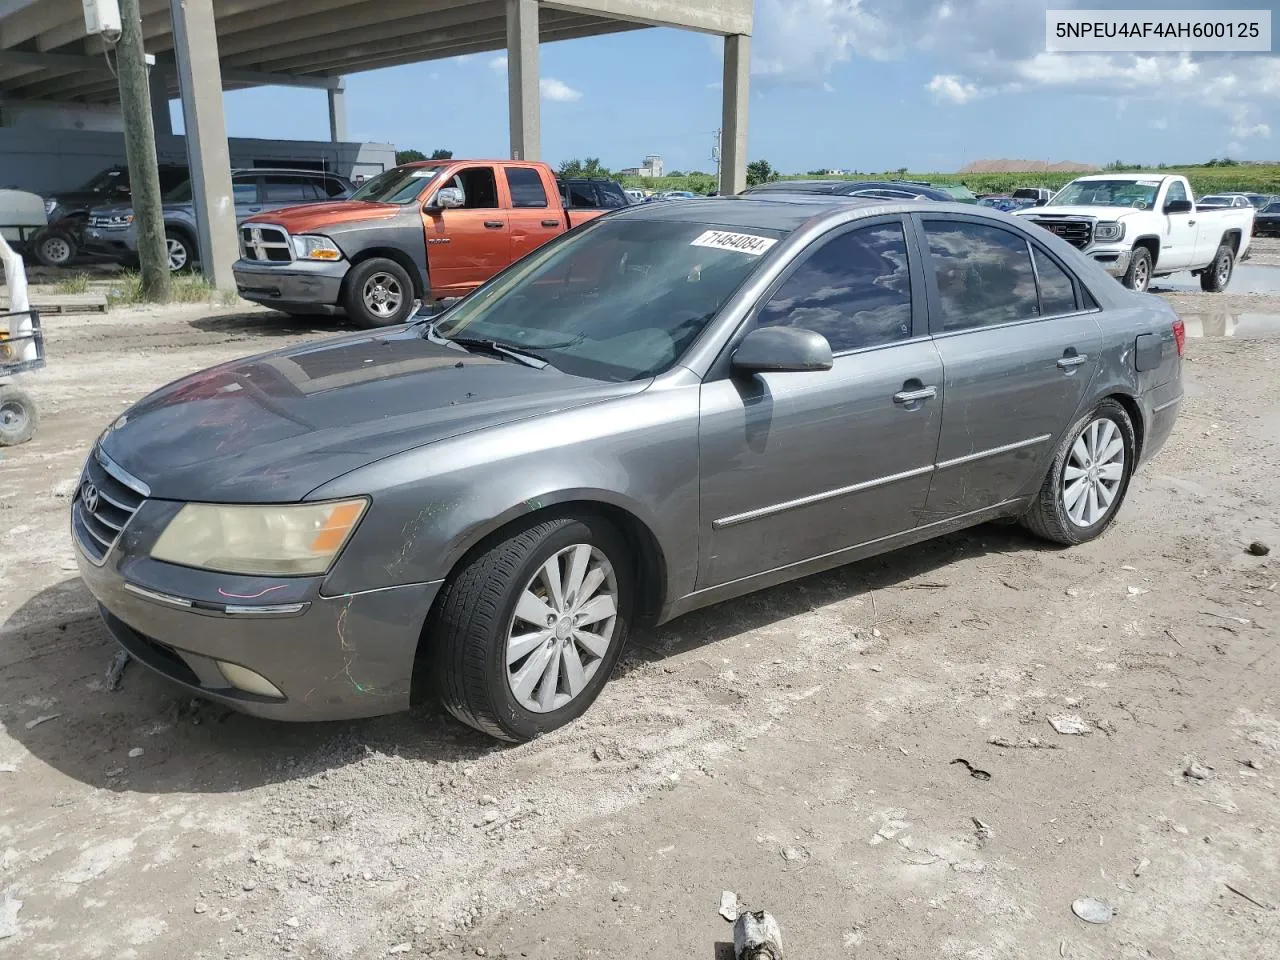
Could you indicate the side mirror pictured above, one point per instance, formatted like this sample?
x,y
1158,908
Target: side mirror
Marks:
x,y
782,350
1177,206
447,198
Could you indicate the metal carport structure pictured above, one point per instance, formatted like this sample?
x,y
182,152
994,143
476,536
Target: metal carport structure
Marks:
x,y
203,47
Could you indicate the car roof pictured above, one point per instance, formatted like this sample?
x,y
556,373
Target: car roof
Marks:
x,y
289,170
844,187
1136,175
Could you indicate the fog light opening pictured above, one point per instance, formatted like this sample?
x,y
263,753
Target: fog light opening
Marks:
x,y
244,679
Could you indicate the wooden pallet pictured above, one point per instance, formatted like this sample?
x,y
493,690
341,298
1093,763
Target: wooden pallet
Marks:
x,y
51,303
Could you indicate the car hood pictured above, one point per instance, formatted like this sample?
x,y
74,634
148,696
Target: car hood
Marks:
x,y
1098,213
272,428
316,216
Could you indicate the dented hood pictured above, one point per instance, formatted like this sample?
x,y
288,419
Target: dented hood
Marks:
x,y
272,428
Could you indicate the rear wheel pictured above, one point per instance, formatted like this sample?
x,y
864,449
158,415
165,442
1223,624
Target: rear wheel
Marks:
x,y
1217,275
18,416
526,634
180,251
1138,276
1088,479
379,293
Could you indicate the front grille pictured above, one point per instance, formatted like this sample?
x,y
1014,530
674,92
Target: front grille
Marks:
x,y
104,504
102,222
1076,231
265,244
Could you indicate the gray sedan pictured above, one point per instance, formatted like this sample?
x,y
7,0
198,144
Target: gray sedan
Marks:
x,y
666,408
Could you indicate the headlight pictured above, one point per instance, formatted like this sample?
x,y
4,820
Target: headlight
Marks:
x,y
274,541
117,222
49,207
1109,230
307,247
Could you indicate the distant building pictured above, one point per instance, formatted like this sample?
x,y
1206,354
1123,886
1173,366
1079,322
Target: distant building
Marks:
x,y
652,168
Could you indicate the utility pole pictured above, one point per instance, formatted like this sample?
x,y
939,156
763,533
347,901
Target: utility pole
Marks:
x,y
140,148
715,155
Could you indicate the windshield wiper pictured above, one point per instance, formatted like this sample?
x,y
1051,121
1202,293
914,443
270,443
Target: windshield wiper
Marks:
x,y
500,348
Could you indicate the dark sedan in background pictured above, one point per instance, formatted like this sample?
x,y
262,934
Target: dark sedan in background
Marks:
x,y
673,405
1267,221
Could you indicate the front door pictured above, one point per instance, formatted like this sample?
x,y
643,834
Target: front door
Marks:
x,y
467,245
1018,352
1178,242
534,220
800,465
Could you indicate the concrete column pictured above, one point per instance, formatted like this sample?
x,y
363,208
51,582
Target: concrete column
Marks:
x,y
195,46
525,99
338,112
733,132
161,118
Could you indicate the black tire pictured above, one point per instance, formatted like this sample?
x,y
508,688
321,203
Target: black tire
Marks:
x,y
1138,276
18,416
470,623
1047,516
180,250
362,298
1217,275
53,248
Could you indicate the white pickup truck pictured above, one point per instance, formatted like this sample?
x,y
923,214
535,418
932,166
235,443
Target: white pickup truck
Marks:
x,y
1139,226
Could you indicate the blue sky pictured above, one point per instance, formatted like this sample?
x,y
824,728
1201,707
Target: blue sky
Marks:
x,y
866,84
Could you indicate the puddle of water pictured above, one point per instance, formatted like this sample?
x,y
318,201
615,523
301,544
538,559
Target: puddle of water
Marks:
x,y
1242,326
1247,278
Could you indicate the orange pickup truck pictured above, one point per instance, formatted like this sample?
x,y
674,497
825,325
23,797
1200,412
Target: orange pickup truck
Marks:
x,y
423,231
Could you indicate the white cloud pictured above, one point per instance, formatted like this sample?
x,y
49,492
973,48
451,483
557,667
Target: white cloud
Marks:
x,y
1160,123
828,88
498,63
950,87
558,90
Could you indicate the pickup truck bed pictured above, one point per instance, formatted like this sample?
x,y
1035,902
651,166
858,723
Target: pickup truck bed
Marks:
x,y
423,231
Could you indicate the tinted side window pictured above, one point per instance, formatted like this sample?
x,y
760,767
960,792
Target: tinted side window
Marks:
x,y
526,187
581,195
334,188
984,274
281,189
1057,293
611,196
855,290
1176,192
244,191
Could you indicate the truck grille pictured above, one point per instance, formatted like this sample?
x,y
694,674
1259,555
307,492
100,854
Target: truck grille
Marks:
x,y
104,504
265,244
1077,231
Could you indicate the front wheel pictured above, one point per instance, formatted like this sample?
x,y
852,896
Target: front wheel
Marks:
x,y
379,293
1217,275
1138,276
526,634
55,249
1088,479
18,416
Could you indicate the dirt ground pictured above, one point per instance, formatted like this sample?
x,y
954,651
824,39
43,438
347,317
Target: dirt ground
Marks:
x,y
799,747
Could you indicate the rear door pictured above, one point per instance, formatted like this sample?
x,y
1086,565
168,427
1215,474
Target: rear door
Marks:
x,y
467,245
288,190
1019,342
535,215
246,189
799,465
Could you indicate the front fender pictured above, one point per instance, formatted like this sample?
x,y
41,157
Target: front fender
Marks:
x,y
637,453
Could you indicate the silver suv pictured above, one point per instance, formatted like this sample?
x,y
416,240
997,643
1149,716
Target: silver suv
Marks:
x,y
111,231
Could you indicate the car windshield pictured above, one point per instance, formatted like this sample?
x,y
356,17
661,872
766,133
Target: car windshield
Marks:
x,y
107,181
403,185
1272,207
179,194
1139,194
614,300
1217,200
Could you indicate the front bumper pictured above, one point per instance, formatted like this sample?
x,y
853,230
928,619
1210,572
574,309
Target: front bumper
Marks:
x,y
1114,260
331,658
120,244
304,285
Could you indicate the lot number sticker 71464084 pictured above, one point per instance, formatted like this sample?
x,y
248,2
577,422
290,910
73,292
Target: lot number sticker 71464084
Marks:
x,y
741,242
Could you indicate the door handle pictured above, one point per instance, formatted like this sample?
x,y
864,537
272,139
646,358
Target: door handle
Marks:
x,y
1191,223
551,223
494,224
912,396
1073,361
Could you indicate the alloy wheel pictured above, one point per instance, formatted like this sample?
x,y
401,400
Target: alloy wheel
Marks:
x,y
1141,276
1093,473
562,628
13,416
178,255
383,295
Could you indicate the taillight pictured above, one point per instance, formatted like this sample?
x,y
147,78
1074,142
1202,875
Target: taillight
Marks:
x,y
1179,334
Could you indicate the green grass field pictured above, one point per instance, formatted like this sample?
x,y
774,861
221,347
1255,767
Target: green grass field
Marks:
x,y
1204,180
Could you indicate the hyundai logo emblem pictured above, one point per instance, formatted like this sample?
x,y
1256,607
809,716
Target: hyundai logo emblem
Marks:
x,y
90,497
